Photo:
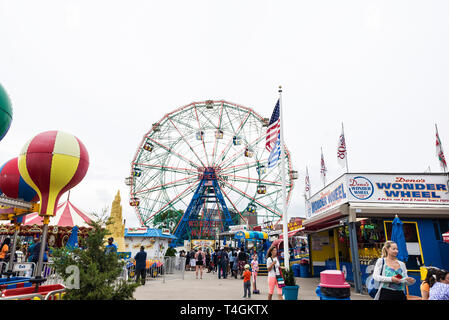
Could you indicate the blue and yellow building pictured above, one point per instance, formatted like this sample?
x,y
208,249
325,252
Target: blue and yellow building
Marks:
x,y
349,220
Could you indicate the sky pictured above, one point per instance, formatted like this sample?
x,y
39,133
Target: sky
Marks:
x,y
106,70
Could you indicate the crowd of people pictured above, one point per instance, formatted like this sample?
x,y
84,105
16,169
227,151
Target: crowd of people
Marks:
x,y
233,262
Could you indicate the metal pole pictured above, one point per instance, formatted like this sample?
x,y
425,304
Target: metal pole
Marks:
x,y
42,248
13,249
355,257
336,249
346,151
284,212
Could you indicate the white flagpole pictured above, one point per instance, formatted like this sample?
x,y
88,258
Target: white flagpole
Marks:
x,y
441,148
346,148
284,205
308,180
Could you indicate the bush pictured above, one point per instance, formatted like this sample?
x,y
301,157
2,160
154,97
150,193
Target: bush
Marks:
x,y
170,252
289,277
99,272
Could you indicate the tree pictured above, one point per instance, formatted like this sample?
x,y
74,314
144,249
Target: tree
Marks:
x,y
99,272
167,219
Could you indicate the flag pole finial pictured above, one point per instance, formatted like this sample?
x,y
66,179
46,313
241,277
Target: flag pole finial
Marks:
x,y
280,89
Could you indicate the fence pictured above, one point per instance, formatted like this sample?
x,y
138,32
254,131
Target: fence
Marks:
x,y
172,268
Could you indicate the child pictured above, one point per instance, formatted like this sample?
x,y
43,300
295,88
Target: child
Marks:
x,y
247,282
254,269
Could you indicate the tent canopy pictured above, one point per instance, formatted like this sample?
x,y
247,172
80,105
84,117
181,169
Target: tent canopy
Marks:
x,y
251,235
67,215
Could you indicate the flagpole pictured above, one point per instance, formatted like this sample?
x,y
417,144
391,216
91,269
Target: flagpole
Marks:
x,y
307,173
346,151
324,172
284,211
441,148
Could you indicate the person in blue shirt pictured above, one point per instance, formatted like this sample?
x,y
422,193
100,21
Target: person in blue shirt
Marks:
x,y
111,247
31,249
37,250
141,264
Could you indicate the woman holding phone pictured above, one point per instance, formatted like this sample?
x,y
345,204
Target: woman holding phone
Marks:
x,y
391,274
274,269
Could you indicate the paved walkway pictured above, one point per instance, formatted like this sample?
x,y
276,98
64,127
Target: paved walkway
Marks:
x,y
211,288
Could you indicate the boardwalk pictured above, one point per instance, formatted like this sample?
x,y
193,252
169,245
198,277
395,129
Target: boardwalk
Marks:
x,y
211,288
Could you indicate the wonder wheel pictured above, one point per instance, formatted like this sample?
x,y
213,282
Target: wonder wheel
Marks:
x,y
204,167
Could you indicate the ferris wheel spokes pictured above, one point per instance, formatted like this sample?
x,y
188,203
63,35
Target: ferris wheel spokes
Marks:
x,y
251,180
218,128
175,153
249,197
168,168
171,184
235,208
241,152
172,202
226,149
202,137
185,140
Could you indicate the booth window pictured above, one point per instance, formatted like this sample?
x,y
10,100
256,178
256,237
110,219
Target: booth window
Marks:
x,y
411,234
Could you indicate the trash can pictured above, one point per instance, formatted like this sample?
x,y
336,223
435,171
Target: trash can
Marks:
x,y
333,286
295,269
304,270
324,297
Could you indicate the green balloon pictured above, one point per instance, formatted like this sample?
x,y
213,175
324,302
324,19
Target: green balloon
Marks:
x,y
5,112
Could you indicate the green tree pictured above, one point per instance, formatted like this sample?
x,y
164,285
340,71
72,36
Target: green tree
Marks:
x,y
167,219
99,272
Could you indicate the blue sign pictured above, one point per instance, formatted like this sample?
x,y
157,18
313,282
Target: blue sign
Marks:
x,y
361,188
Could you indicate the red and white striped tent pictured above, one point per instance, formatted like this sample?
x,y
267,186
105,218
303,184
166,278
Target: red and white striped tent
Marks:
x,y
67,215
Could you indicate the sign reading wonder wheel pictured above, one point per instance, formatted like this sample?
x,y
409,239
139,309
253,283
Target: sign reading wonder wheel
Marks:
x,y
381,188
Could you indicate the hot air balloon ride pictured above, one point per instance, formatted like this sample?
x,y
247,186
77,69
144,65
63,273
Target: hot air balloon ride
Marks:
x,y
5,113
13,186
52,163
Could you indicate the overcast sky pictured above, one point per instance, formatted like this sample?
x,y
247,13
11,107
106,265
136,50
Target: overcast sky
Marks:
x,y
106,70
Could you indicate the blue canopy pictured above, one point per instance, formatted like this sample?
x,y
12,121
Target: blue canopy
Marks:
x,y
73,239
397,235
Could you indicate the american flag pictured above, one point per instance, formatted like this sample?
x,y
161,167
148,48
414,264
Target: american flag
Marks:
x,y
274,128
275,153
440,153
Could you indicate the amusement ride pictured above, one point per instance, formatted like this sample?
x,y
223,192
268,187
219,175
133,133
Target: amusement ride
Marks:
x,y
204,167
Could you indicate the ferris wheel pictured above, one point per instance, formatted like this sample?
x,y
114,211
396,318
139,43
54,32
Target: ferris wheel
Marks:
x,y
207,161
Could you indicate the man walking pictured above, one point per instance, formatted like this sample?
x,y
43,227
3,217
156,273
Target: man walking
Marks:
x,y
141,264
224,263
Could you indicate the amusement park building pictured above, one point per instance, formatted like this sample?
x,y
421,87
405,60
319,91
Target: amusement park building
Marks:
x,y
349,220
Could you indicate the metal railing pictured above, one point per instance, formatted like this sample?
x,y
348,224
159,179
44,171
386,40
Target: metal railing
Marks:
x,y
52,295
172,268
49,272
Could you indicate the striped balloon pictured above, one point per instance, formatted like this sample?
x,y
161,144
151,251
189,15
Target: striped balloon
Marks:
x,y
13,185
52,163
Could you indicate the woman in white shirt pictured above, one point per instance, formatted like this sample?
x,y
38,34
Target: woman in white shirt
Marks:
x,y
391,274
274,268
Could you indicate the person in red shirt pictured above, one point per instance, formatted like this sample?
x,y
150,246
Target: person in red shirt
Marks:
x,y
247,282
